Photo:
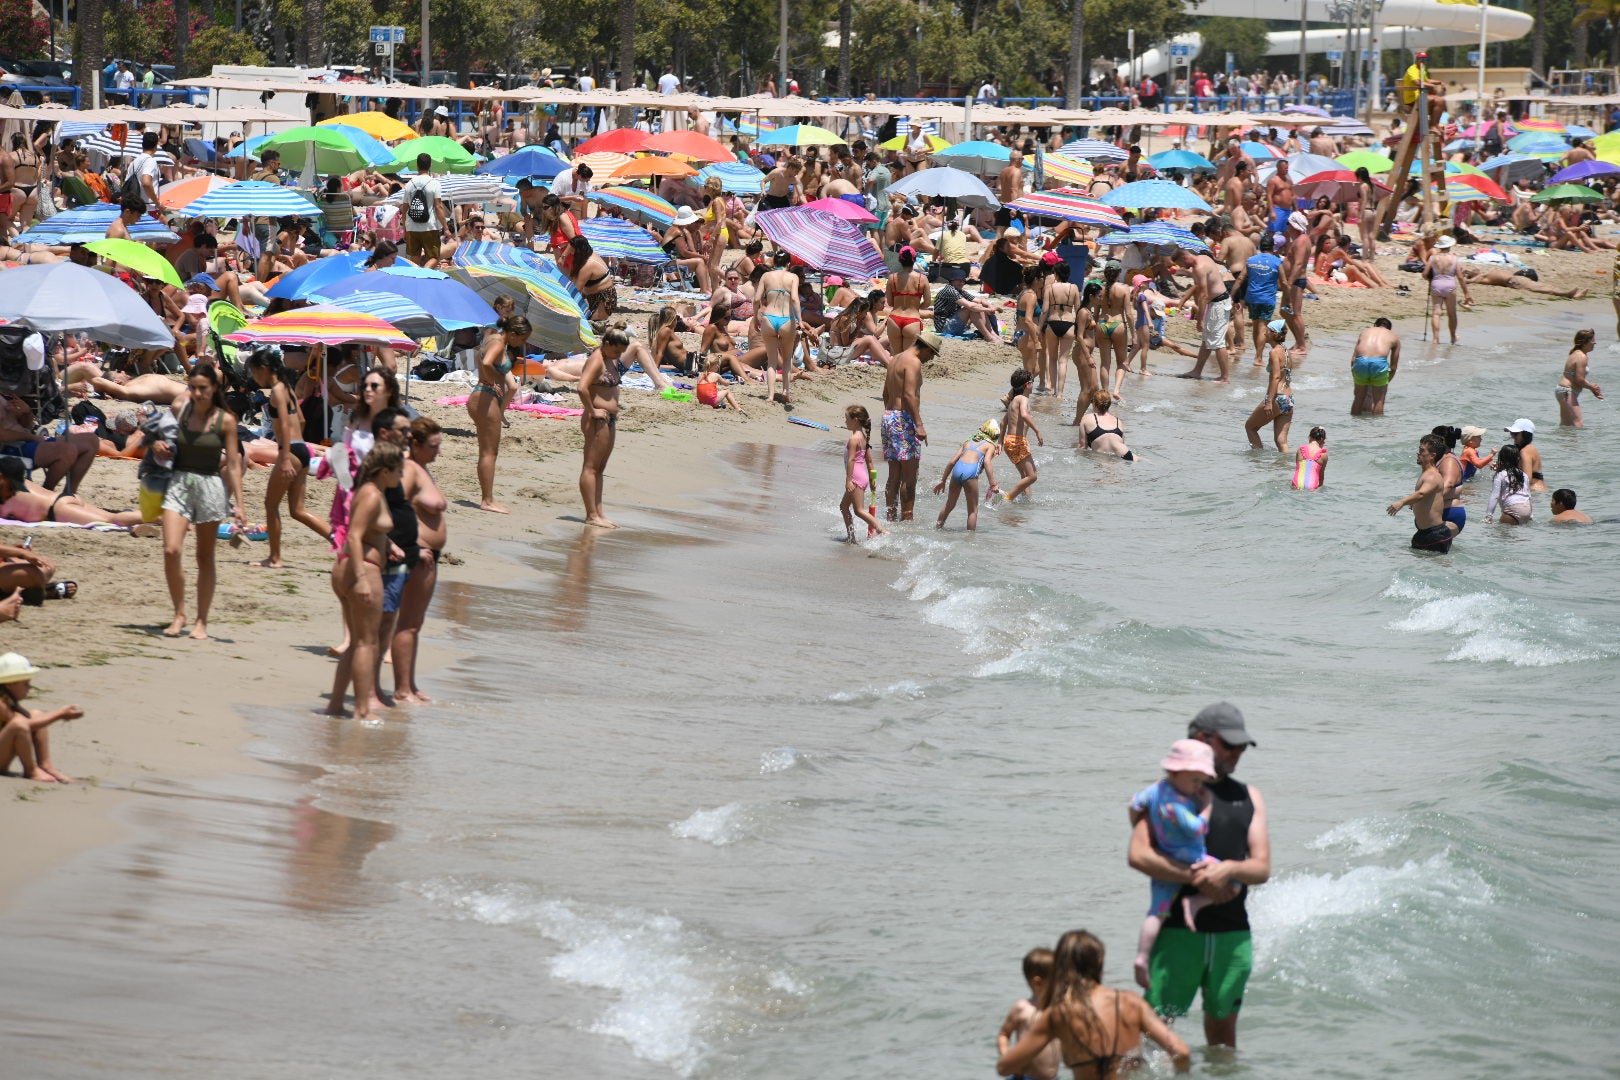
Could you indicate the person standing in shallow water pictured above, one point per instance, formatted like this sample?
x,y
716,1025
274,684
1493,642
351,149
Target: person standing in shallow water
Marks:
x,y
1373,363
1428,499
599,397
903,432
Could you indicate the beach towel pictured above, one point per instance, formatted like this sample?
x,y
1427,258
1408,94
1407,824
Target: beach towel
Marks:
x,y
95,526
555,412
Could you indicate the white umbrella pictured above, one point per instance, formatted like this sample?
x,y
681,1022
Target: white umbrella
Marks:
x,y
964,187
63,297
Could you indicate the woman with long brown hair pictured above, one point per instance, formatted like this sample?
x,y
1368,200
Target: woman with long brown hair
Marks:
x,y
599,396
429,503
357,578
486,405
207,475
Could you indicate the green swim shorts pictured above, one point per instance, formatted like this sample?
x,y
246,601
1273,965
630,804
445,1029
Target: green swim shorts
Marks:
x,y
1184,962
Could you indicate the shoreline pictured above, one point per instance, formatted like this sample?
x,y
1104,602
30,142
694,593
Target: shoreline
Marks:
x,y
150,725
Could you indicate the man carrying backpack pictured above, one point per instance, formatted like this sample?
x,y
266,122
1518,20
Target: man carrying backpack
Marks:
x,y
425,213
143,176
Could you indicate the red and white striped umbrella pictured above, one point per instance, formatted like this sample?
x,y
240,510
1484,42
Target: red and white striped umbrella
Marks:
x,y
822,241
1069,205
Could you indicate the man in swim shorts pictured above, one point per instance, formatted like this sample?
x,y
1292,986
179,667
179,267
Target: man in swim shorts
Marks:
x,y
1373,363
1215,301
1215,955
1296,270
1428,499
903,432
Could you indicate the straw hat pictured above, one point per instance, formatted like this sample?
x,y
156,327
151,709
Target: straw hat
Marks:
x,y
14,667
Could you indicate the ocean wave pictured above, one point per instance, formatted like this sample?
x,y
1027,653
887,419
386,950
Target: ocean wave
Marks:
x,y
721,826
904,690
1362,836
780,759
1491,628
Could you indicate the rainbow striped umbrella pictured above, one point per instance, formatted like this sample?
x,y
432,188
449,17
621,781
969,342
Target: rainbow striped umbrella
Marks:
x,y
1538,124
615,238
1069,205
799,135
551,303
735,176
1060,170
637,205
758,125
322,324
411,318
823,241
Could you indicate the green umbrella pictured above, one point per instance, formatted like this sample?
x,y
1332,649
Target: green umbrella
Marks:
x,y
447,154
334,153
137,257
1374,163
1567,193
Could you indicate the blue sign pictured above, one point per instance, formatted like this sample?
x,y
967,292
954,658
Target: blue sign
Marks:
x,y
394,35
1181,52
1473,56
1335,55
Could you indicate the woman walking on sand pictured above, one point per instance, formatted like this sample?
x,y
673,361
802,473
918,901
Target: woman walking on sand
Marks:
x,y
599,397
1444,281
200,494
357,578
777,318
291,470
1277,407
486,405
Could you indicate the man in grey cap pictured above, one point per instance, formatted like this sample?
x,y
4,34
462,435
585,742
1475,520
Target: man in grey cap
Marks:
x,y
1215,955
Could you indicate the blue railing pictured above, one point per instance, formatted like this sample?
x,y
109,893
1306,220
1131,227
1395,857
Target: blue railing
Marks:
x,y
71,93
144,98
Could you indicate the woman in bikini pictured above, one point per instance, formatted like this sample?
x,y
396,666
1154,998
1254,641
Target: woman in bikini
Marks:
x,y
907,292
1099,1029
684,244
844,341
1029,340
486,405
1574,380
1113,324
291,471
1278,404
357,578
1100,429
25,179
23,500
776,319
1060,306
716,220
1441,273
665,344
1330,257
429,503
595,281
599,397
561,227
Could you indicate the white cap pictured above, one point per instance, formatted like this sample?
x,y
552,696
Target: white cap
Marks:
x,y
1521,425
33,347
441,111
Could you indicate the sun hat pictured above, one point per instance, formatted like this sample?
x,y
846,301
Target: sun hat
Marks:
x,y
1224,720
955,273
196,304
441,111
1521,426
1190,755
685,216
1278,326
932,340
14,667
1473,433
1299,221
1445,243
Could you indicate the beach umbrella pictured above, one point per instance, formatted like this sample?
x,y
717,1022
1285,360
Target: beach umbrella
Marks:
x,y
175,196
616,238
1260,151
1359,159
736,177
249,148
535,162
1537,123
642,206
460,190
976,156
618,141
83,224
554,307
1339,185
1346,127
1513,167
1309,164
799,135
644,167
1145,194
138,257
1469,188
822,241
406,315
900,142
302,283
1538,142
1068,205
1579,131
1306,110
315,150
376,151
1094,150
378,125
1181,161
452,305
1155,234
103,143
1452,168
322,324
446,154
602,164
65,297
1584,170
1567,193
251,198
689,144
844,208
964,187
1060,170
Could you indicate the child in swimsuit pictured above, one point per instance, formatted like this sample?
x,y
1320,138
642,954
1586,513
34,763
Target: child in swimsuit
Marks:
x,y
858,474
1310,464
1471,458
711,391
963,472
1177,812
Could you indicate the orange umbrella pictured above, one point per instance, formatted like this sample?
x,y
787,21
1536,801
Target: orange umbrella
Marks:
x,y
641,168
182,193
690,144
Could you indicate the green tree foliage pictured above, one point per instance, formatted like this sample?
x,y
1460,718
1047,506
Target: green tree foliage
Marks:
x,y
885,35
222,45
1153,20
1245,39
22,34
1604,14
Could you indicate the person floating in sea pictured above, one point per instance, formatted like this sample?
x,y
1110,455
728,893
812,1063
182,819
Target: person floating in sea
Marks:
x,y
1038,976
858,474
1175,808
1310,463
1428,499
1563,509
1373,364
964,470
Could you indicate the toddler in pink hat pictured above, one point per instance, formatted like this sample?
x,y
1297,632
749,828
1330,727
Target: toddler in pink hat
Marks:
x,y
1177,812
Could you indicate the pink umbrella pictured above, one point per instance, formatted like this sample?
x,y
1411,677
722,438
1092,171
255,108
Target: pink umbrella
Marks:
x,y
1340,185
844,208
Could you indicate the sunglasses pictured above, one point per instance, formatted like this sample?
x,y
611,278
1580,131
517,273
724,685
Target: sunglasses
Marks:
x,y
1234,748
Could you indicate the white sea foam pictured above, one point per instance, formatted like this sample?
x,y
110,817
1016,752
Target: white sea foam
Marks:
x,y
1163,404
904,690
1485,627
1362,836
721,826
778,760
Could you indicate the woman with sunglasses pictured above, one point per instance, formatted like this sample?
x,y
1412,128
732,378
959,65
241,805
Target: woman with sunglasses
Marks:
x,y
486,405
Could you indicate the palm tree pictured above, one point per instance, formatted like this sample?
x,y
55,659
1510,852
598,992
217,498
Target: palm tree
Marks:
x,y
315,31
182,34
1076,81
1593,12
627,51
91,51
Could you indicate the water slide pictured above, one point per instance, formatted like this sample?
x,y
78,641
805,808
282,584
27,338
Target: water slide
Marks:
x,y
1417,24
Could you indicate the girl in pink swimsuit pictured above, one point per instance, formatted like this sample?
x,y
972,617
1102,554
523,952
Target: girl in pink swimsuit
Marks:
x,y
858,474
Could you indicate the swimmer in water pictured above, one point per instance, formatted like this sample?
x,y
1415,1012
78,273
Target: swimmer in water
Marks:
x,y
964,470
1310,464
858,474
1278,404
1563,509
1038,975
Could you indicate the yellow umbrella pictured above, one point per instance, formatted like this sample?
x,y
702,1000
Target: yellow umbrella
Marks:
x,y
376,124
900,142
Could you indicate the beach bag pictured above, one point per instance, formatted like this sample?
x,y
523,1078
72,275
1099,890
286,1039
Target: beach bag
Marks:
x,y
416,204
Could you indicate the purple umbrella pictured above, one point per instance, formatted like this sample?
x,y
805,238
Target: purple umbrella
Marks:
x,y
1581,170
823,241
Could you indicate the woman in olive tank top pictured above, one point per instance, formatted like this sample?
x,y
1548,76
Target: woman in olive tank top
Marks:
x,y
207,461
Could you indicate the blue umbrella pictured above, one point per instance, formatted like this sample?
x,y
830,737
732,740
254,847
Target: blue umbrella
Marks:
x,y
1581,171
1260,151
1094,150
1144,194
976,156
249,147
251,198
303,282
411,318
1577,131
85,224
532,161
615,238
1181,161
736,177
1537,142
375,150
956,184
452,305
1156,233
1514,166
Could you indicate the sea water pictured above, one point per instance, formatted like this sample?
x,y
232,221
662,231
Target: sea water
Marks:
x,y
717,796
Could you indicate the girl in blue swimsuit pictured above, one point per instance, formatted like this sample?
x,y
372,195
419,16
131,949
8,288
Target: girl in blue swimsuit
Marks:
x,y
963,472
